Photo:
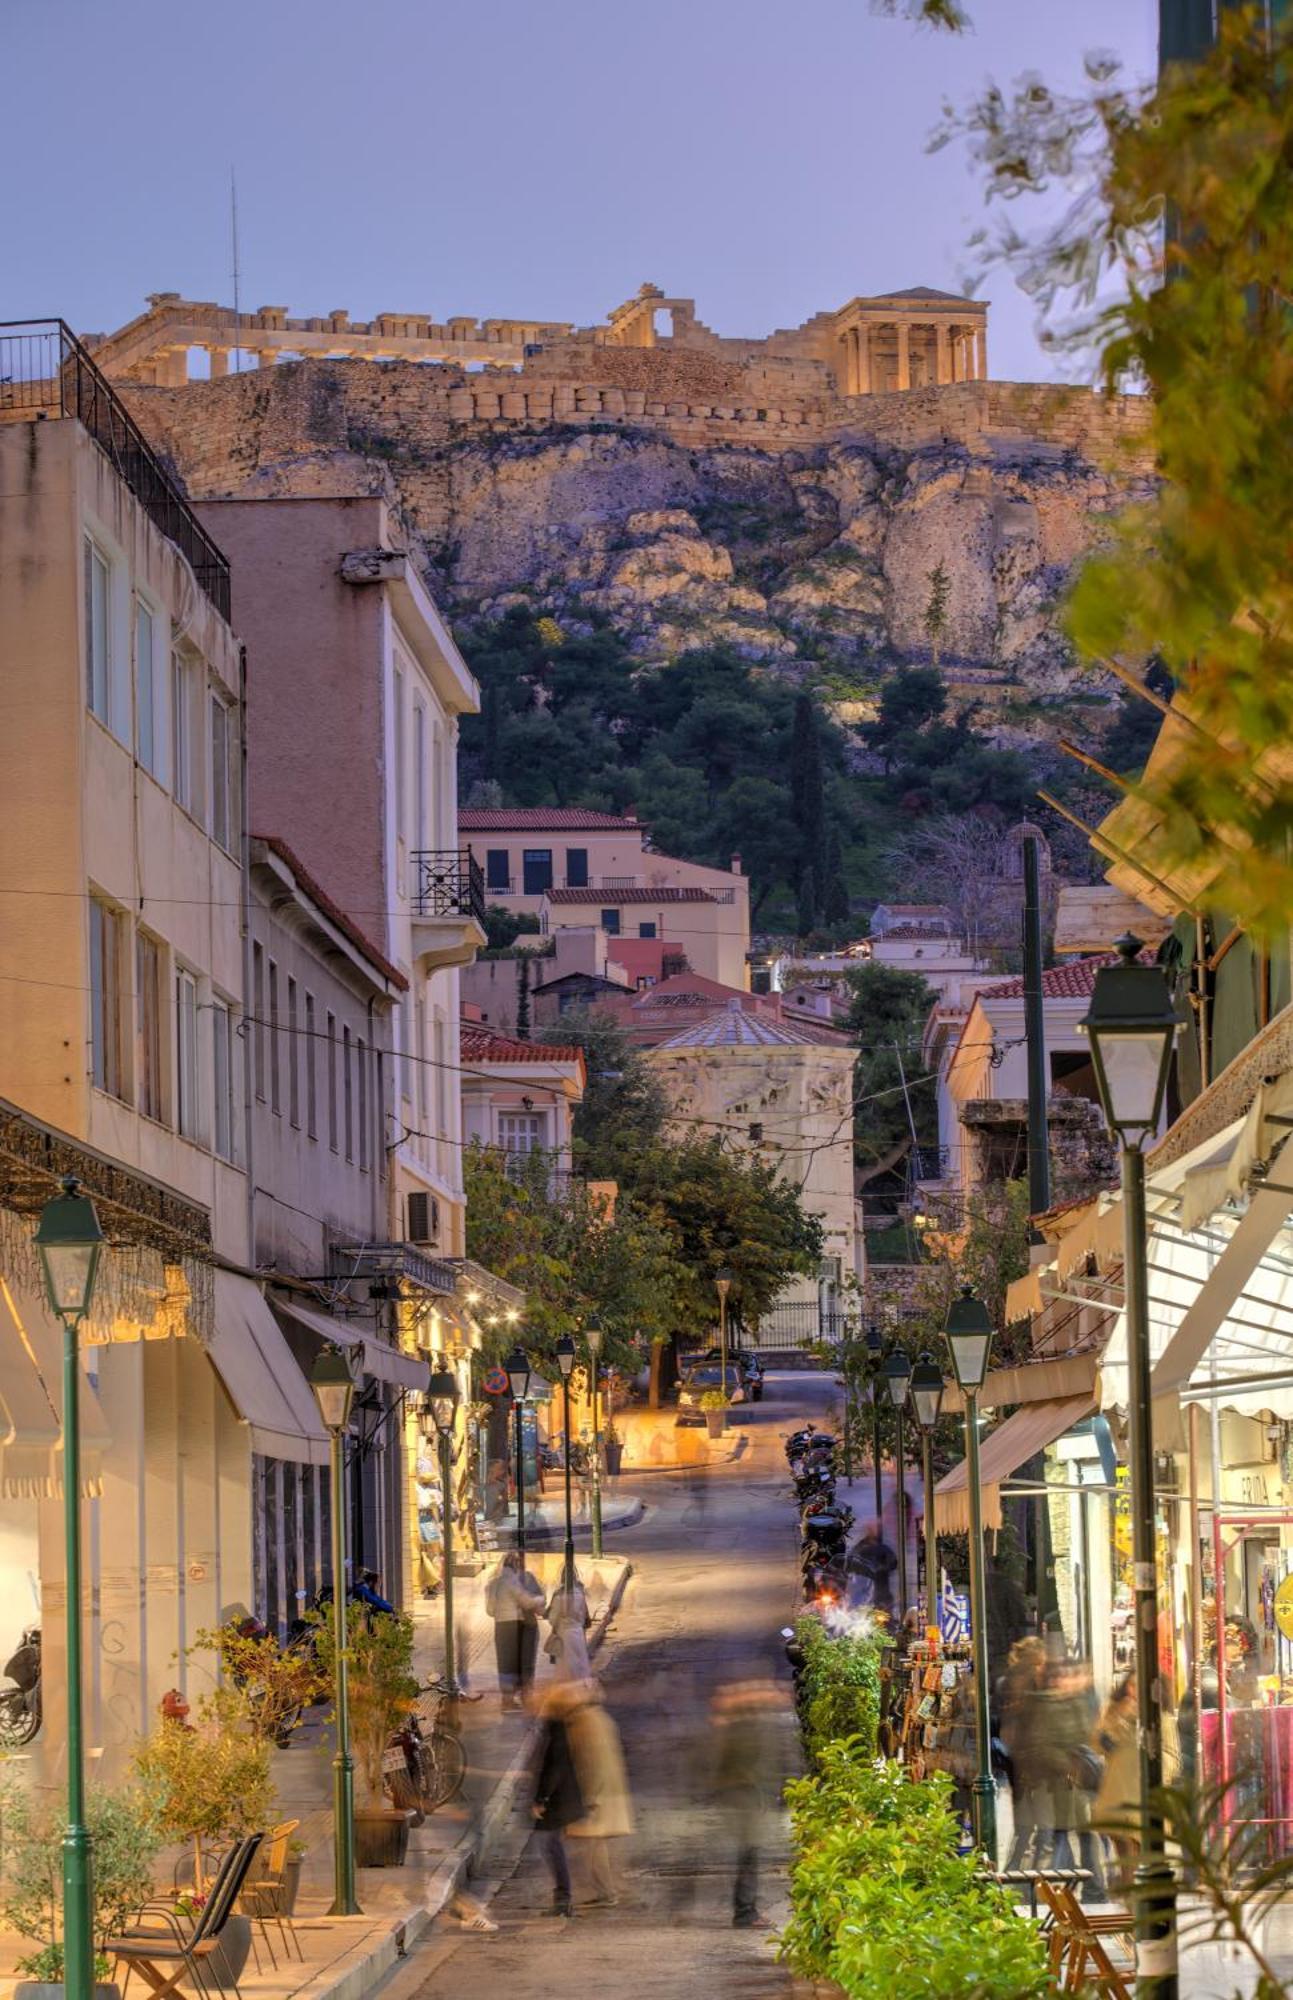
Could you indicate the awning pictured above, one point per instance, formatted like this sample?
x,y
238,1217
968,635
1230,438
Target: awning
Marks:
x,y
1046,1380
259,1370
1001,1454
31,1403
382,1362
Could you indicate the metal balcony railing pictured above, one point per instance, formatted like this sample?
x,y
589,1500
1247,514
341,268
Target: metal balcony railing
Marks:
x,y
393,1261
45,371
449,884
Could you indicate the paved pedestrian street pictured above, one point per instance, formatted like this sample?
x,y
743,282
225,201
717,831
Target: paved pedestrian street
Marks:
x,y
715,1580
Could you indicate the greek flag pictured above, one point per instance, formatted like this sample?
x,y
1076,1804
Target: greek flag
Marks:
x,y
953,1613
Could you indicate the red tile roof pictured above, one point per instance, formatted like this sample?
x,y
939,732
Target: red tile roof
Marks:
x,y
607,899
482,1045
538,819
334,913
1074,981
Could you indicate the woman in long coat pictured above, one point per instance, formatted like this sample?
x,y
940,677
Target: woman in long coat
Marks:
x,y
558,1800
567,1645
604,1782
514,1600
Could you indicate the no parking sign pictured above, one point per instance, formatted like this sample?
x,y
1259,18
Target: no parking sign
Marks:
x,y
496,1382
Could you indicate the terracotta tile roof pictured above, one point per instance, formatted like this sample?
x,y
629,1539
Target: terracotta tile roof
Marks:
x,y
607,899
334,913
1074,981
537,819
482,1045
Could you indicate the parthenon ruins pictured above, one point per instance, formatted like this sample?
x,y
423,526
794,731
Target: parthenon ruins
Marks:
x,y
912,339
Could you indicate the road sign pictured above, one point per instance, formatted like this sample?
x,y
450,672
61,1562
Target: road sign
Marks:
x,y
496,1382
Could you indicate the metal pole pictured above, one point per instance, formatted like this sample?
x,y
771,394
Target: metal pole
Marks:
x,y
848,1417
520,1484
1039,1165
78,1858
722,1342
446,1543
570,1526
344,1903
900,1505
597,1463
983,1793
931,1532
875,1445
1154,1884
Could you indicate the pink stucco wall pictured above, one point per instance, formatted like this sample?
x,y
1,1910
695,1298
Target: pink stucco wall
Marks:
x,y
314,687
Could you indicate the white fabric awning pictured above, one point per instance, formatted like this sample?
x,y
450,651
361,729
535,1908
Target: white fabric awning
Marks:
x,y
31,1403
258,1368
1032,1427
384,1363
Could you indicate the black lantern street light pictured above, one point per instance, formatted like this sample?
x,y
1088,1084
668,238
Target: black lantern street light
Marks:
x,y
927,1401
594,1336
874,1351
969,1337
442,1399
70,1240
897,1377
723,1285
517,1366
333,1384
1132,1026
566,1362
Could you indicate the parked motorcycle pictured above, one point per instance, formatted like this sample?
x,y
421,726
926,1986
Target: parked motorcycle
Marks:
x,y
20,1706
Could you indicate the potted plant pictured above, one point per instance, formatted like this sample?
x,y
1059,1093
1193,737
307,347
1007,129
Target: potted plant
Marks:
x,y
714,1404
613,1443
126,1835
383,1690
211,1777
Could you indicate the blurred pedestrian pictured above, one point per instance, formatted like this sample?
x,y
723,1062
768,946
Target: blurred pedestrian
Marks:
x,y
567,1641
1115,1805
558,1801
871,1565
604,1784
749,1718
514,1600
1020,1681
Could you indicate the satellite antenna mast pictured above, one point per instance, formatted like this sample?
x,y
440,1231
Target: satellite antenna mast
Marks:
x,y
237,309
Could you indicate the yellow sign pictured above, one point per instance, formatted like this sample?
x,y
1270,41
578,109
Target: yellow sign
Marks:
x,y
1284,1607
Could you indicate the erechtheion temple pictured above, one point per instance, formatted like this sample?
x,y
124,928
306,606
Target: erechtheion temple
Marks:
x,y
898,340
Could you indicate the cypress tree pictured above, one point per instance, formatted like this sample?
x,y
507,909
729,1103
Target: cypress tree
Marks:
x,y
807,804
806,915
523,1000
836,908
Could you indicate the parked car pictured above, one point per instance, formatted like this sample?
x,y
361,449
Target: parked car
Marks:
x,y
749,1364
697,1381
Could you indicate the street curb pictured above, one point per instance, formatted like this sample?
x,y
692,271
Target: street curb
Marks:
x,y
464,1859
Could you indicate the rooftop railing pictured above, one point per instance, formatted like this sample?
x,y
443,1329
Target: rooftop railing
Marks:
x,y
45,372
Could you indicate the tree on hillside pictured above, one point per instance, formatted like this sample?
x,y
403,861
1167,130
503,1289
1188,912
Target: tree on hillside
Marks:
x,y
911,700
935,618
962,860
808,809
886,1020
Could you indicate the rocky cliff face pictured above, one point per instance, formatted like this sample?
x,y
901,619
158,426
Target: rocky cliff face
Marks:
x,y
812,557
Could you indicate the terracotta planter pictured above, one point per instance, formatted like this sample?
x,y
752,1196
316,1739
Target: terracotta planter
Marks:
x,y
47,1989
716,1422
381,1836
230,1954
614,1460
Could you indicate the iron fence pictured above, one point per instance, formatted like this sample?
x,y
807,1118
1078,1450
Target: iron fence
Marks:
x,y
45,371
449,884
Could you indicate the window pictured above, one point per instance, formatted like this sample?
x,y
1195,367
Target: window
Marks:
x,y
332,1081
149,1017
108,1058
536,870
152,745
610,922
222,1078
519,1132
224,764
186,1053
646,930
401,786
183,728
311,1091
576,868
379,1098
498,870
293,1057
98,632
419,775
348,1092
258,1009
361,1057
275,1076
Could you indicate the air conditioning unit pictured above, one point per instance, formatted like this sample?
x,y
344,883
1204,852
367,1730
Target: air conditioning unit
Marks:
x,y
423,1219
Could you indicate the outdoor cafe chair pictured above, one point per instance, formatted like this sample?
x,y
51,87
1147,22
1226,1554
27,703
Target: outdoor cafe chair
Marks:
x,y
164,1956
1079,1959
264,1896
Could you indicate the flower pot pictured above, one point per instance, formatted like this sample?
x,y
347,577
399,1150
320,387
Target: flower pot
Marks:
x,y
614,1460
715,1422
229,1955
48,1989
291,1884
381,1836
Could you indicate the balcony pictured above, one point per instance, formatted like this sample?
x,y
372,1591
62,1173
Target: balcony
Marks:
x,y
448,907
45,372
393,1262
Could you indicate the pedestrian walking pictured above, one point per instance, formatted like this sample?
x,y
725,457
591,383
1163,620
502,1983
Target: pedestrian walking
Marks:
x,y
1114,1807
513,1599
604,1783
567,1642
870,1568
1018,1718
558,1801
749,1720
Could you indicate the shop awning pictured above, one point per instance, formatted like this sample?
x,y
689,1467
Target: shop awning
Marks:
x,y
384,1363
1001,1454
1046,1380
260,1372
31,1403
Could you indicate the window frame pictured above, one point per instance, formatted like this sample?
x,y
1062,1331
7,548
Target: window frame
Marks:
x,y
150,1049
188,1081
311,1070
332,1081
499,879
293,1056
609,919
224,1126
184,677
529,854
275,1066
108,1066
222,814
98,659
152,706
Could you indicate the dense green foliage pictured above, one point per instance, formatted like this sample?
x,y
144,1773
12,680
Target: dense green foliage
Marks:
x,y
125,1830
883,1904
887,1021
839,1691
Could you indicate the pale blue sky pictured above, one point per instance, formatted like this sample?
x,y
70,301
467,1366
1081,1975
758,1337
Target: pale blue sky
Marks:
x,y
765,157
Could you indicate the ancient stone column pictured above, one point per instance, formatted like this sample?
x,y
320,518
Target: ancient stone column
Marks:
x,y
942,359
219,362
904,354
981,353
863,334
266,356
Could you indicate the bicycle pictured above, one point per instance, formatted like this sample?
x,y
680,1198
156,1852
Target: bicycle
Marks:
x,y
436,1762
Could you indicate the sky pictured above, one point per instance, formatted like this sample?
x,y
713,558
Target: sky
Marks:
x,y
525,157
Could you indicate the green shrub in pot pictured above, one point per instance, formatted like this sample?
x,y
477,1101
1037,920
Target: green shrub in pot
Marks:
x,y
126,1833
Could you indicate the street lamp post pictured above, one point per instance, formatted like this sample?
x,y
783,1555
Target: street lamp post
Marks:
x,y
723,1285
518,1375
593,1335
69,1240
1132,1027
334,1389
897,1375
566,1362
969,1337
442,1395
874,1350
927,1401
846,1372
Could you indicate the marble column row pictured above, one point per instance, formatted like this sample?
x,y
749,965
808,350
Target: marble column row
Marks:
x,y
960,352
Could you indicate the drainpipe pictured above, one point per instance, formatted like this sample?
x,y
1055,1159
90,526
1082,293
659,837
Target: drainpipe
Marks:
x,y
248,1062
1039,1165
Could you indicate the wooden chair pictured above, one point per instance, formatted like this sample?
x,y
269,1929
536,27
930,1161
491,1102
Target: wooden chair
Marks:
x,y
163,1953
1079,1957
264,1896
